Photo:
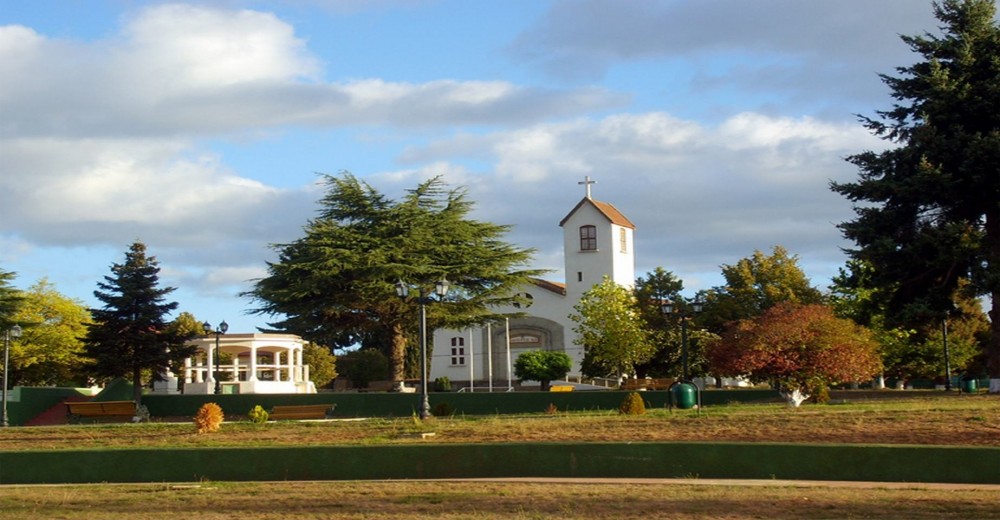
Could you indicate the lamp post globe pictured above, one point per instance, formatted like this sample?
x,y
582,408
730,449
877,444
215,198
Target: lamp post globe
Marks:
x,y
219,331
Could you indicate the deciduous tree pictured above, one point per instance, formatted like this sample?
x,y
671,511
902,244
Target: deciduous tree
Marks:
x,y
50,350
756,284
543,366
611,331
322,364
130,334
798,349
927,212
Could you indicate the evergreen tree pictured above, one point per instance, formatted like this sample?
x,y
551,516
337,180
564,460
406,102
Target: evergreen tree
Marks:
x,y
130,334
927,212
336,286
10,300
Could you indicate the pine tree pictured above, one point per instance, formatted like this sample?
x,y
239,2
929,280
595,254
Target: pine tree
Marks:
x,y
10,299
927,211
130,334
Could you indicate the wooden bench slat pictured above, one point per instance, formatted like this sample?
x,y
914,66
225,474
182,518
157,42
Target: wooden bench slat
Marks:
x,y
301,411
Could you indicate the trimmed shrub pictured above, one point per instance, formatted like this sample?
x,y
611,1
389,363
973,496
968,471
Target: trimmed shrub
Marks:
x,y
257,415
209,418
632,404
443,410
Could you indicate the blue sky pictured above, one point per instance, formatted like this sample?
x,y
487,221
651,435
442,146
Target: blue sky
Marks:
x,y
198,128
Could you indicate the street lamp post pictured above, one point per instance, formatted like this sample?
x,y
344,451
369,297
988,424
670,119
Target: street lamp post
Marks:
x,y
403,290
219,331
947,358
669,308
12,332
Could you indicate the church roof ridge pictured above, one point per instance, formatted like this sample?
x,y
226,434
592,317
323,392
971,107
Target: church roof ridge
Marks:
x,y
605,208
556,287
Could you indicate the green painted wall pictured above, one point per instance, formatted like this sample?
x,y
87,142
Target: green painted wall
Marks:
x,y
644,460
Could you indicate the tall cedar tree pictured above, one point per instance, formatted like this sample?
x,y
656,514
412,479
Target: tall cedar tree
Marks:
x,y
336,285
129,334
927,211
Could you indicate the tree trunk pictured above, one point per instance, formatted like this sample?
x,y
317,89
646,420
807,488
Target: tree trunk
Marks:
x,y
397,362
993,265
137,386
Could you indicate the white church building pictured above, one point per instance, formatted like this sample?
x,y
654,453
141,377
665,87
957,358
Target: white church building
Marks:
x,y
598,241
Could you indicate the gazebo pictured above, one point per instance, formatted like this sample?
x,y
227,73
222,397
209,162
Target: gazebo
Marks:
x,y
246,364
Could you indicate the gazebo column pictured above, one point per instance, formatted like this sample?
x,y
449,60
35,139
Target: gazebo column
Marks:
x,y
277,366
294,361
253,363
187,370
209,357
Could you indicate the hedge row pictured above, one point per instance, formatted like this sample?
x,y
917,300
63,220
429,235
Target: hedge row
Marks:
x,y
604,460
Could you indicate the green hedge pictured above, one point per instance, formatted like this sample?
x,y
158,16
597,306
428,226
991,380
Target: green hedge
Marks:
x,y
385,404
589,460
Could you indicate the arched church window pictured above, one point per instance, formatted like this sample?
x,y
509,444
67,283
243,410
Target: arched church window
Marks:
x,y
588,238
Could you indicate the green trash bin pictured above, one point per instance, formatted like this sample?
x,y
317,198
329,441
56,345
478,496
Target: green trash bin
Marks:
x,y
683,395
969,385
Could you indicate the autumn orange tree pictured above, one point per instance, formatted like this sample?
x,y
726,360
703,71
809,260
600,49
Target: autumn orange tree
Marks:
x,y
798,349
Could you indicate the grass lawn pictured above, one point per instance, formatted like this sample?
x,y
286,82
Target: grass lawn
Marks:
x,y
929,419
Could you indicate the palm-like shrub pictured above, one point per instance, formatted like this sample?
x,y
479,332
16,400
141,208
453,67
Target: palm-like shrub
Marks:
x,y
209,418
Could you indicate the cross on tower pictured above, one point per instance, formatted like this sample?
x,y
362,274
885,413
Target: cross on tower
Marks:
x,y
587,182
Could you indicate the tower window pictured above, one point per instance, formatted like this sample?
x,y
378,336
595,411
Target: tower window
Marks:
x,y
588,238
623,240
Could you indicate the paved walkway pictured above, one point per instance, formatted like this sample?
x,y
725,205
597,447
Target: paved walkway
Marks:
x,y
743,482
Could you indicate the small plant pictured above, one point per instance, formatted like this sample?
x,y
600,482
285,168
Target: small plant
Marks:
x,y
257,415
209,418
442,384
551,409
632,405
443,410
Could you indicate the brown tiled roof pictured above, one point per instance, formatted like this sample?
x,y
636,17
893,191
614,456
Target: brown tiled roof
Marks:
x,y
606,209
558,288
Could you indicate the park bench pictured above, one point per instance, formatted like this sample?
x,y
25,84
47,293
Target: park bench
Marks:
x,y
647,384
100,410
301,411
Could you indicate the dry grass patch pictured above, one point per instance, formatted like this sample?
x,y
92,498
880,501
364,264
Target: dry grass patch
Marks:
x,y
487,500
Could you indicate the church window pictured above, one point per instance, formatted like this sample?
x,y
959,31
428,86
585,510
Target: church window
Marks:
x,y
623,240
588,238
579,276
458,351
525,300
